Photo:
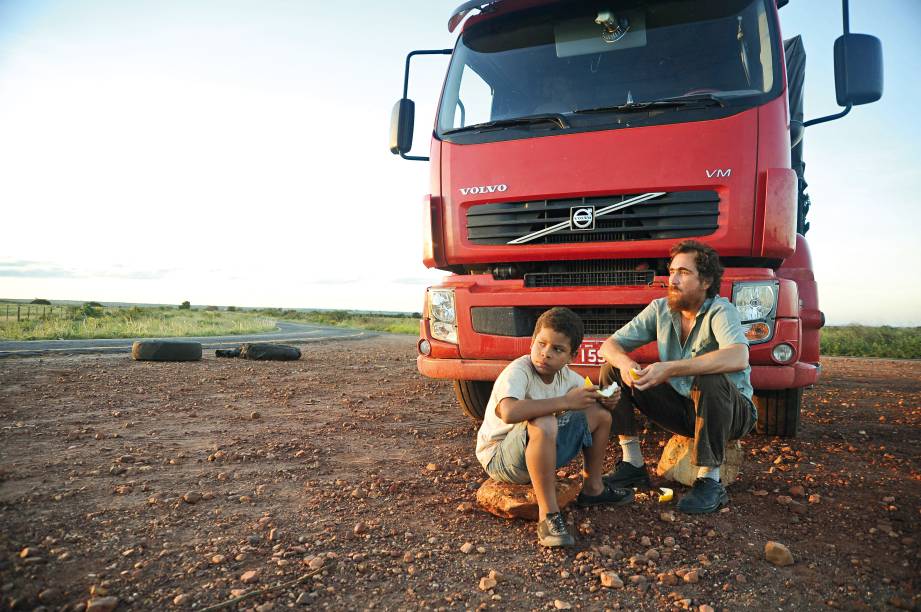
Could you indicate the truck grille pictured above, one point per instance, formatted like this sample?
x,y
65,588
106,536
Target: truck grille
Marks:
x,y
594,273
518,321
678,214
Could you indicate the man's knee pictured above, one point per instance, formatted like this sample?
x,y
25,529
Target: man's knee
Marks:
x,y
544,427
709,383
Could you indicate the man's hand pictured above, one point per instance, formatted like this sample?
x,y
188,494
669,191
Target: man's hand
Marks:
x,y
625,376
582,398
652,375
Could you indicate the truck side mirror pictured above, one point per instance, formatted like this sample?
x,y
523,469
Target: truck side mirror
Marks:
x,y
858,69
401,126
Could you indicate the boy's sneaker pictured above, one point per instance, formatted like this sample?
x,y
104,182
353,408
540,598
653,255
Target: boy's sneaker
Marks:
x,y
707,495
609,495
552,532
627,476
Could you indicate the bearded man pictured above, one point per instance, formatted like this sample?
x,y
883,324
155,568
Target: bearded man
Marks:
x,y
700,387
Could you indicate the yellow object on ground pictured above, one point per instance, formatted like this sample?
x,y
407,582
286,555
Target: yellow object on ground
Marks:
x,y
666,495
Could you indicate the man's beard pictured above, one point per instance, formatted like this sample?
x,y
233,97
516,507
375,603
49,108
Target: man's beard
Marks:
x,y
678,301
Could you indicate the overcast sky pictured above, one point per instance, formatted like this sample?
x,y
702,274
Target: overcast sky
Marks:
x,y
235,152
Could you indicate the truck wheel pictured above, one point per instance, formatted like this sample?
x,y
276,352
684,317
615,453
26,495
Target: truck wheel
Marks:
x,y
473,395
166,350
778,411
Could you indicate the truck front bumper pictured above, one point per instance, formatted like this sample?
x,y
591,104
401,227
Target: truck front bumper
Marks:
x,y
762,376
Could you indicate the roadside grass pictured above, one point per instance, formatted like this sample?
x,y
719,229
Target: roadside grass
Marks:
x,y
862,341
407,324
84,322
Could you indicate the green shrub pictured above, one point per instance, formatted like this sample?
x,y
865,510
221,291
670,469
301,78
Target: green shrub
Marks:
x,y
41,301
862,341
185,305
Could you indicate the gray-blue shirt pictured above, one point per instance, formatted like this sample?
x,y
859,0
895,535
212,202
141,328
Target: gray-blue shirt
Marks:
x,y
717,326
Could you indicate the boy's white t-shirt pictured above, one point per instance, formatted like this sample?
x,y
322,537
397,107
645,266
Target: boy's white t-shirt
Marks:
x,y
519,380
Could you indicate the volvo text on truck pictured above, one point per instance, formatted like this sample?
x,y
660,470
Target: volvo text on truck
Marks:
x,y
576,141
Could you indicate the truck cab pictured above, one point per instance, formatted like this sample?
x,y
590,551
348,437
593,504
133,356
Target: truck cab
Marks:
x,y
576,142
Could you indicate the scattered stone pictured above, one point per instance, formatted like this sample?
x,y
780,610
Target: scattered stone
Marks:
x,y
559,604
317,562
102,604
645,541
668,578
28,552
250,577
705,608
432,467
254,415
692,577
815,498
518,501
675,463
759,493
466,548
192,497
487,583
669,541
784,500
611,580
668,517
359,528
181,599
493,574
49,595
797,491
216,559
778,554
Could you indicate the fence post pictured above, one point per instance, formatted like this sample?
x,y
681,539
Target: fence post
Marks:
x,y
18,310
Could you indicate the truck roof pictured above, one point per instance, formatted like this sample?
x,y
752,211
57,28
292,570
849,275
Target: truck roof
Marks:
x,y
458,14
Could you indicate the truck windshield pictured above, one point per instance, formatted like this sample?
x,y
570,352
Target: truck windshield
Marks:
x,y
588,58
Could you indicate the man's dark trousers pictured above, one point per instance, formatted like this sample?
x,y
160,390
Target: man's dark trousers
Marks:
x,y
714,414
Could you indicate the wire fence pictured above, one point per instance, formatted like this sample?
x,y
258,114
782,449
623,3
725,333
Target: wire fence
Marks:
x,y
33,312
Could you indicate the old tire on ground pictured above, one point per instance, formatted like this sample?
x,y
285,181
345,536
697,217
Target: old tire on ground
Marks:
x,y
166,350
473,395
778,411
266,351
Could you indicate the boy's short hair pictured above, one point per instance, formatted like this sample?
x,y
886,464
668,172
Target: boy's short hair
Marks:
x,y
564,321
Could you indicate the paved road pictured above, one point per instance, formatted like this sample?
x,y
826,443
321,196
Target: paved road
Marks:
x,y
286,332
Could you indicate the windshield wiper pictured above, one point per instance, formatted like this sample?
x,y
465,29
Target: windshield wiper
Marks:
x,y
501,124
704,99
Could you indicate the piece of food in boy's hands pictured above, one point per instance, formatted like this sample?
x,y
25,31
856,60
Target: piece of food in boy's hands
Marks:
x,y
665,495
634,374
609,391
588,383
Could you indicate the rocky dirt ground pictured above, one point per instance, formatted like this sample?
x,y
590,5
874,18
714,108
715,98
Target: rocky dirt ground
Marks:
x,y
346,481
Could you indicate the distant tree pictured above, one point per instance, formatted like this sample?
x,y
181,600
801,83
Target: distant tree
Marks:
x,y
91,309
211,308
231,309
41,301
185,305
417,315
94,304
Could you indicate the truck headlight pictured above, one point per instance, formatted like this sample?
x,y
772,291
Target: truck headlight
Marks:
x,y
443,315
755,301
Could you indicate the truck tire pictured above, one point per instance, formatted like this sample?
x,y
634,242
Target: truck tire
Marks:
x,y
166,350
473,395
778,411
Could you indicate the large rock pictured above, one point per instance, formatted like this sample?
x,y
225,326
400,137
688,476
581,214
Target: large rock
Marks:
x,y
518,501
675,463
778,554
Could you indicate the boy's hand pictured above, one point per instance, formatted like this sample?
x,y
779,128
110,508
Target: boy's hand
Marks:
x,y
582,398
609,402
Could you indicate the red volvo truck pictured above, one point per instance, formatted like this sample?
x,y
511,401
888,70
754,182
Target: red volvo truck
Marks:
x,y
576,141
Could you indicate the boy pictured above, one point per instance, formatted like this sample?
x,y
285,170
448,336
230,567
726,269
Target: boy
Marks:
x,y
525,438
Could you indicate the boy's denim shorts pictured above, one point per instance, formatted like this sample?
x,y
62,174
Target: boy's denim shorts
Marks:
x,y
509,465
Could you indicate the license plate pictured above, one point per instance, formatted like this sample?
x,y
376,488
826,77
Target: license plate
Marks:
x,y
588,352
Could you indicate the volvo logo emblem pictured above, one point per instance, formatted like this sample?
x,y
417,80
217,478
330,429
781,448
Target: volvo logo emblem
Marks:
x,y
582,218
